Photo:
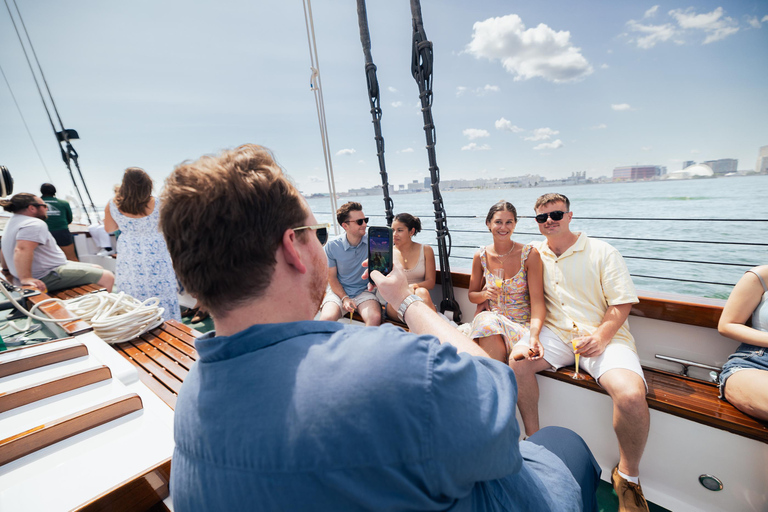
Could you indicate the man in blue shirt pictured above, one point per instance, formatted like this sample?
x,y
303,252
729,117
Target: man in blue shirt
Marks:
x,y
281,412
347,291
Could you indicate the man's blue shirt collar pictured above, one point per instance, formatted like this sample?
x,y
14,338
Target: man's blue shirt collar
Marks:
x,y
211,348
347,246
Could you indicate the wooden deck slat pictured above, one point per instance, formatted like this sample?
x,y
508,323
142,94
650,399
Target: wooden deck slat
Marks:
x,y
185,328
149,380
59,312
176,343
161,359
178,333
141,359
170,351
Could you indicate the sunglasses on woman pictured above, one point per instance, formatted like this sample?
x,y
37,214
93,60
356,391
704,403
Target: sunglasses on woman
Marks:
x,y
360,222
556,215
321,230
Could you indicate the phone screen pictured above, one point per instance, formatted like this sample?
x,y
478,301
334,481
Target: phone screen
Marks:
x,y
379,250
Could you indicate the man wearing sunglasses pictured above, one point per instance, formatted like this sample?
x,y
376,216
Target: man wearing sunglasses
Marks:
x,y
32,256
281,412
347,291
589,293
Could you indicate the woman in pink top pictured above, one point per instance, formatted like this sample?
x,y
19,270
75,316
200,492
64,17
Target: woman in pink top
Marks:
x,y
516,310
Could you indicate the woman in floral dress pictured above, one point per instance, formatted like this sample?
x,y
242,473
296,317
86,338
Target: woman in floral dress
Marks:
x,y
144,266
516,310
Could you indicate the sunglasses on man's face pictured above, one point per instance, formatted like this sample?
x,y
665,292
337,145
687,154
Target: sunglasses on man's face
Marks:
x,y
321,230
556,215
360,222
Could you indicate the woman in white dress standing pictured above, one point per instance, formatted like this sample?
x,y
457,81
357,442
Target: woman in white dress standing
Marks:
x,y
144,267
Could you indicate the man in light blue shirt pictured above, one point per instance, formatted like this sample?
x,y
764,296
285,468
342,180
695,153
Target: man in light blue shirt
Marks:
x,y
284,413
347,291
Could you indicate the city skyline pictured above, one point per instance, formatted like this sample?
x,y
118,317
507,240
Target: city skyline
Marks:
x,y
545,89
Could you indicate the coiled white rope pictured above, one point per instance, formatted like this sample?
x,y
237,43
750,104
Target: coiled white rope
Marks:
x,y
117,317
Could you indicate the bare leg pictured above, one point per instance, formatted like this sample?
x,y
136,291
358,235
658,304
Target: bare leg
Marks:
x,y
528,391
494,346
69,252
370,310
747,390
107,280
423,293
631,419
330,312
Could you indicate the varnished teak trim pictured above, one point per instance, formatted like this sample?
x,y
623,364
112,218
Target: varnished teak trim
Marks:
x,y
24,396
39,360
41,436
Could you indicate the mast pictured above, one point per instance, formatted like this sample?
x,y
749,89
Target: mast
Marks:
x,y
421,68
375,102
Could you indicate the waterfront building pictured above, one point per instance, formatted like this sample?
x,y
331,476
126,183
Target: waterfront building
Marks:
x,y
723,166
638,172
762,161
692,171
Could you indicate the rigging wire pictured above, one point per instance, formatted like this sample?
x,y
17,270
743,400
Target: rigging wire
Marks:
x,y
64,135
421,68
315,85
375,102
23,120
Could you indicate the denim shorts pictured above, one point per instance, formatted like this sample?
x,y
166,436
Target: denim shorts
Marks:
x,y
746,357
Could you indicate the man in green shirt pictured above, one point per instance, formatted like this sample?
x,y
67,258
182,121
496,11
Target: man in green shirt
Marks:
x,y
59,218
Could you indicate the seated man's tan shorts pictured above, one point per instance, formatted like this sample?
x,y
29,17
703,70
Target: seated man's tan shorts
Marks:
x,y
72,274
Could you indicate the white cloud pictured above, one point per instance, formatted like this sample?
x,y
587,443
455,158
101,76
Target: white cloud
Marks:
x,y
604,66
695,151
478,91
601,126
397,104
713,23
646,148
650,13
361,161
753,21
406,150
542,134
505,124
391,89
621,107
474,147
528,53
345,152
316,179
475,133
654,34
556,144
765,18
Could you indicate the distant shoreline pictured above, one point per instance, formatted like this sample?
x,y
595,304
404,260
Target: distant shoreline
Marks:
x,y
548,183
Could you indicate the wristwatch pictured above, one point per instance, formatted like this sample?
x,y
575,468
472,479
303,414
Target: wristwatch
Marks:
x,y
404,306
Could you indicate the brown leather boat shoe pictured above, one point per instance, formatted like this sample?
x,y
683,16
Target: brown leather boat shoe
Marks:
x,y
630,495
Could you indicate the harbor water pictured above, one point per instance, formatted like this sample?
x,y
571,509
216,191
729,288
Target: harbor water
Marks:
x,y
680,232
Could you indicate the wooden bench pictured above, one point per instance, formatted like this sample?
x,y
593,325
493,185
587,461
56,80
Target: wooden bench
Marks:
x,y
682,396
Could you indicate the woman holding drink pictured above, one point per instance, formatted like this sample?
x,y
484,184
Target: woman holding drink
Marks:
x,y
507,284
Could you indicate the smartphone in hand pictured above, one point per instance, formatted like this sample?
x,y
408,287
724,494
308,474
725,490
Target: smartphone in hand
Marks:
x,y
379,250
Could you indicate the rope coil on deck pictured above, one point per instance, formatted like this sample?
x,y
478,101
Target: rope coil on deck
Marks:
x,y
117,317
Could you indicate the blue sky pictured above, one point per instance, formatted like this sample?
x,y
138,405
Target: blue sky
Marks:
x,y
549,87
